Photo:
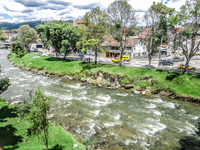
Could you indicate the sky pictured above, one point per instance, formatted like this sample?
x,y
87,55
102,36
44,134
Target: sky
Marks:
x,y
29,10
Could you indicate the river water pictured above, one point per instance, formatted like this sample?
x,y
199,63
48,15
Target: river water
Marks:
x,y
112,119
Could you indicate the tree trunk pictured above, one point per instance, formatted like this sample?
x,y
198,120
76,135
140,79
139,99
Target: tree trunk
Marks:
x,y
159,51
65,54
95,60
122,51
186,65
149,67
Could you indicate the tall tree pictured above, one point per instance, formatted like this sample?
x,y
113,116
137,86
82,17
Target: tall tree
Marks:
x,y
38,116
121,19
27,35
188,37
156,19
174,21
95,23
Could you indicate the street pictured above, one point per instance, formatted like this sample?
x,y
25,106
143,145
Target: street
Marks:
x,y
195,62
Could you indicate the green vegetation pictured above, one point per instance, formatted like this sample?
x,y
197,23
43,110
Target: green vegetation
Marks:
x,y
38,116
4,83
18,49
27,35
176,82
13,129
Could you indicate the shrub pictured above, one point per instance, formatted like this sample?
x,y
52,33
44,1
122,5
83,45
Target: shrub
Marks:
x,y
18,49
4,83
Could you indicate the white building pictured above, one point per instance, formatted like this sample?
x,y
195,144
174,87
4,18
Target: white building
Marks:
x,y
133,47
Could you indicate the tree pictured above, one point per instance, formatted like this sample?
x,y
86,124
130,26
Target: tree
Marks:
x,y
156,19
188,37
27,35
84,35
95,23
62,35
38,116
69,38
17,48
121,19
4,83
174,21
15,31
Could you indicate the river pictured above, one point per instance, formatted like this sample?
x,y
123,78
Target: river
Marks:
x,y
109,119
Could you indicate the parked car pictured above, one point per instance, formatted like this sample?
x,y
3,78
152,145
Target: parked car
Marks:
x,y
125,57
182,66
35,50
176,59
166,62
80,55
116,60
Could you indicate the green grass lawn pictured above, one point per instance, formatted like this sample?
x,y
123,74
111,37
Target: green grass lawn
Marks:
x,y
180,84
13,128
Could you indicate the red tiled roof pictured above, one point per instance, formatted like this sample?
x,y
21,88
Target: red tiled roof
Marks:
x,y
130,42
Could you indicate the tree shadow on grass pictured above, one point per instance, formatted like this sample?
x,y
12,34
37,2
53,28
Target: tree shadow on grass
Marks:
x,y
6,112
58,59
189,143
172,75
8,137
57,147
88,65
197,76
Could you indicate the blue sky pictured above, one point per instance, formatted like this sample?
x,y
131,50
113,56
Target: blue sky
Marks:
x,y
29,10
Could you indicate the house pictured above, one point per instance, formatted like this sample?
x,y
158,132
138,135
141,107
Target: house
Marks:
x,y
77,22
144,33
133,47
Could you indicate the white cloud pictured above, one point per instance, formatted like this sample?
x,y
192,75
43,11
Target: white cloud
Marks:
x,y
24,10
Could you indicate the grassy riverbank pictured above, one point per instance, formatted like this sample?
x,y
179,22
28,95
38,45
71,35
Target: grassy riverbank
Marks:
x,y
13,128
185,85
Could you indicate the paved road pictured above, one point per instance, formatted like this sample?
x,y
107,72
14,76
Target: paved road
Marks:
x,y
133,62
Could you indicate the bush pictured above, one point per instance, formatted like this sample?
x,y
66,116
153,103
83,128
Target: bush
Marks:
x,y
18,49
4,83
2,99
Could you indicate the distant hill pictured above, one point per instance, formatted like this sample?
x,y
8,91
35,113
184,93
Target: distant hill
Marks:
x,y
11,26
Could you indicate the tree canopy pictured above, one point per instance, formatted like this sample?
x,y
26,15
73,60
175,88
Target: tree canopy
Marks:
x,y
27,35
121,19
62,35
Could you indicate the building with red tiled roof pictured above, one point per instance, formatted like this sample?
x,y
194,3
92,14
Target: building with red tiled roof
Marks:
x,y
145,33
133,47
77,22
177,30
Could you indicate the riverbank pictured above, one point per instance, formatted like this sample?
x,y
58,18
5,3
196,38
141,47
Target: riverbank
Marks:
x,y
13,129
140,80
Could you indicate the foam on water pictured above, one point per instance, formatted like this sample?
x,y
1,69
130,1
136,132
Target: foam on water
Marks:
x,y
16,96
104,97
23,85
151,129
122,94
193,117
83,92
96,112
109,124
155,100
157,113
117,117
76,86
45,83
151,106
168,105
